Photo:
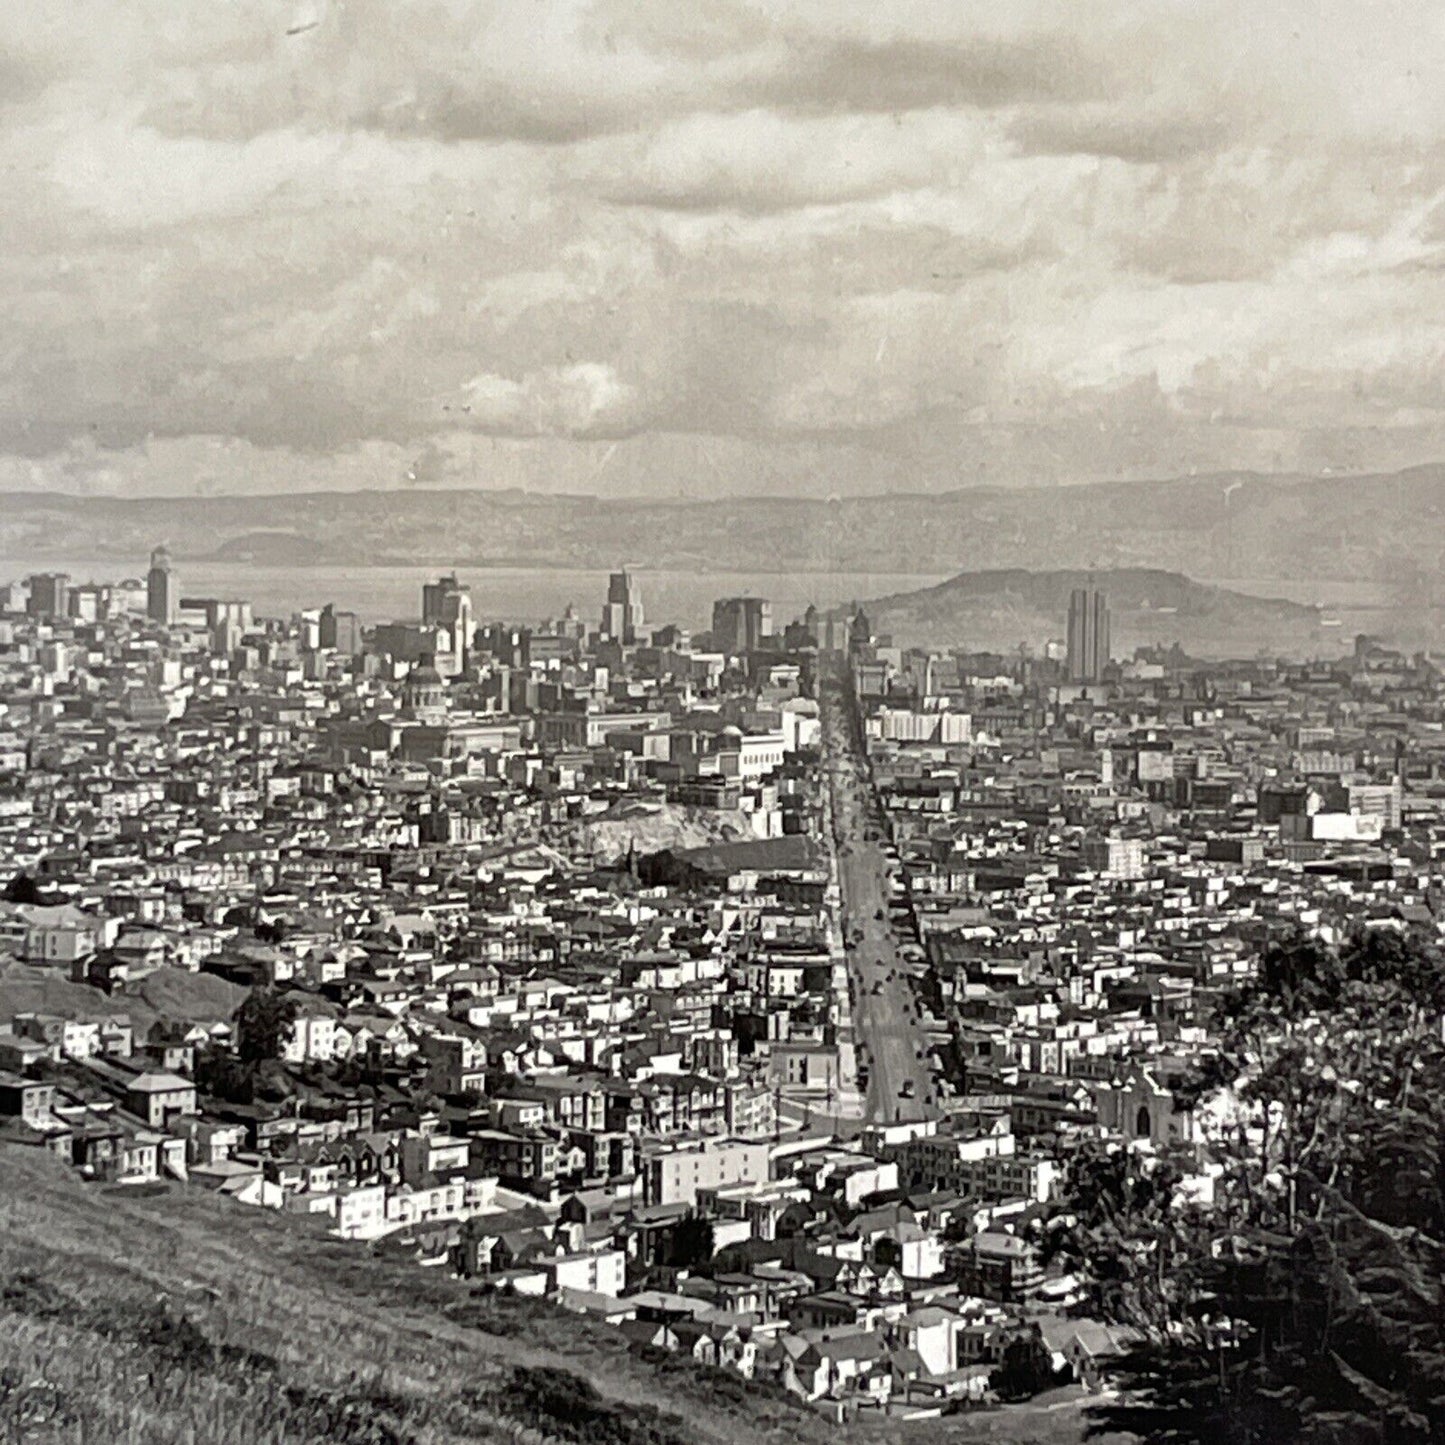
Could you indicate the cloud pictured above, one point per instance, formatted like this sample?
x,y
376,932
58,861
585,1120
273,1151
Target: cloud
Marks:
x,y
761,161
902,73
547,74
556,72
585,399
1009,241
1121,133
134,176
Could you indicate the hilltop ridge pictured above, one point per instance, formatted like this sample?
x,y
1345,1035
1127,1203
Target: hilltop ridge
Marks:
x,y
1389,528
147,1315
168,1314
994,610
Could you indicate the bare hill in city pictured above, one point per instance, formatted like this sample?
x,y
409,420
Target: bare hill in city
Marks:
x,y
996,610
643,828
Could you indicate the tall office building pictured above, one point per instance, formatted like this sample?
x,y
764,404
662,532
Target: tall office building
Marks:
x,y
162,588
1088,635
341,631
447,603
90,602
739,624
49,594
622,616
219,610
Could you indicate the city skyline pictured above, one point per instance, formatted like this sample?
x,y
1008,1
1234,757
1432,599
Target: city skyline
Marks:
x,y
772,998
597,248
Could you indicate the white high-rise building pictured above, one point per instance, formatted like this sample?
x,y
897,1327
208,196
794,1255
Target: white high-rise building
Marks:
x,y
622,619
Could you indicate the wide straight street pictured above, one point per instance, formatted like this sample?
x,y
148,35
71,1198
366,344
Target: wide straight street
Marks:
x,y
891,1040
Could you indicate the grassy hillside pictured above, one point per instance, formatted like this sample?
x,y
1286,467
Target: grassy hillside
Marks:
x,y
144,1318
177,1316
171,993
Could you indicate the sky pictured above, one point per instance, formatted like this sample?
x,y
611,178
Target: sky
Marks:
x,y
684,247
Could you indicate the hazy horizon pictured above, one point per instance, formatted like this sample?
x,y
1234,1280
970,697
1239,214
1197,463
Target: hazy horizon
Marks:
x,y
342,486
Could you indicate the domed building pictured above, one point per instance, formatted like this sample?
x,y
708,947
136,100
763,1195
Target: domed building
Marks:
x,y
424,694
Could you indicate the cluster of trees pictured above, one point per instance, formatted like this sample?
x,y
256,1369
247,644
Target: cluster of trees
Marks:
x,y
1026,1367
262,1023
1300,1297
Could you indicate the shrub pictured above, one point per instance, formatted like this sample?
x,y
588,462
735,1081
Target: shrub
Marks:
x,y
27,1406
26,1293
567,1406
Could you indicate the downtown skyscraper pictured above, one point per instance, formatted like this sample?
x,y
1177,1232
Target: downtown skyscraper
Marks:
x,y
1088,654
622,616
448,603
162,588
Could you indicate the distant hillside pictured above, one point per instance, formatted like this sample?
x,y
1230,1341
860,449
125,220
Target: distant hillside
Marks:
x,y
997,610
160,1314
275,549
1387,529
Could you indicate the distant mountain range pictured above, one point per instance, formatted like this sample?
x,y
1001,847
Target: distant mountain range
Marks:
x,y
991,611
1385,529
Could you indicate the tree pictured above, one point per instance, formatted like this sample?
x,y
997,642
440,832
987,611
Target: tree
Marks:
x,y
1126,1235
22,888
960,1228
1026,1368
1304,1301
262,1023
692,1243
220,1073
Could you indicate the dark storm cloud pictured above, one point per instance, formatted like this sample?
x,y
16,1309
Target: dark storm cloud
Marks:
x,y
1123,134
901,74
